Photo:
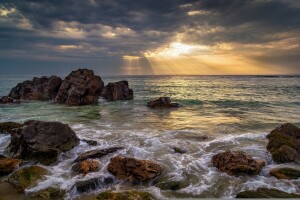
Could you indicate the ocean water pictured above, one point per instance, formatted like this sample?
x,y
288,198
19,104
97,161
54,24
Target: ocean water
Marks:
x,y
218,113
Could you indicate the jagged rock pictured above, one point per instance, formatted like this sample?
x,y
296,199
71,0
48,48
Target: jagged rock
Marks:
x,y
285,173
7,127
98,153
284,143
90,142
8,165
44,88
92,184
236,163
266,193
162,102
133,170
80,87
49,193
126,195
8,100
117,91
26,177
42,141
86,166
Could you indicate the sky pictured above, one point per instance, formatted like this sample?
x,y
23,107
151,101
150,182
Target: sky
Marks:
x,y
148,37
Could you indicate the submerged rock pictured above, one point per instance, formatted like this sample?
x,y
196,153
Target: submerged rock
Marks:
x,y
285,173
179,150
162,102
236,163
80,87
8,165
90,142
44,88
49,193
169,185
8,100
42,141
126,195
92,184
7,127
284,143
266,193
98,153
117,91
133,170
26,177
86,166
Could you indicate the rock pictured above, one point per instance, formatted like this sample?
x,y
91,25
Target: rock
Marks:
x,y
26,177
126,195
266,193
80,87
8,100
96,153
7,127
236,163
133,170
162,102
49,193
86,166
44,88
8,165
117,91
285,173
169,185
284,143
92,184
179,150
90,142
42,141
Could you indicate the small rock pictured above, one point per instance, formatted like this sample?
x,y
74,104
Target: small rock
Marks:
x,y
8,165
50,193
92,184
90,142
86,166
7,127
133,170
169,185
162,102
285,173
266,193
96,153
126,195
179,150
117,91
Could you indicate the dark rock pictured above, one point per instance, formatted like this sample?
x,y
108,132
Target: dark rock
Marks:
x,y
80,87
285,173
236,163
44,88
92,184
90,142
169,185
7,127
117,91
42,141
162,102
133,170
126,195
266,193
26,177
284,143
179,150
8,100
96,153
8,165
86,166
50,193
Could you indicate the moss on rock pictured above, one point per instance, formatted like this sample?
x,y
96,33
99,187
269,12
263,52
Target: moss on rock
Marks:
x,y
50,193
126,195
285,173
266,193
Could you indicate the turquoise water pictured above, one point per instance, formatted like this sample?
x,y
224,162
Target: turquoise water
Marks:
x,y
234,112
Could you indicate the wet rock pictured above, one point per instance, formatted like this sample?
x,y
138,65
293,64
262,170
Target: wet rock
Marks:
x,y
26,177
169,185
284,143
117,91
92,184
90,142
126,195
44,88
236,163
8,100
7,127
133,170
42,141
80,87
179,150
285,173
86,166
8,165
98,153
50,193
162,102
266,193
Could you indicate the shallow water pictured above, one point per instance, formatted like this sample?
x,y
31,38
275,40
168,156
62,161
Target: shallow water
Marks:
x,y
234,112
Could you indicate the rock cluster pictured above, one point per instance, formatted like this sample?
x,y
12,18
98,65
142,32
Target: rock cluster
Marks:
x,y
162,102
117,91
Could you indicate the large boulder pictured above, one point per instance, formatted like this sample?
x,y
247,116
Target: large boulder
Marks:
x,y
42,141
133,170
97,153
266,193
284,143
8,127
80,87
44,88
237,163
8,165
117,91
86,166
285,173
125,195
162,102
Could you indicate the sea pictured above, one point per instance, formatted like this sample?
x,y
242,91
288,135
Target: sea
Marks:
x,y
217,113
